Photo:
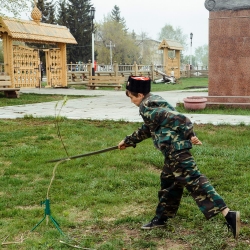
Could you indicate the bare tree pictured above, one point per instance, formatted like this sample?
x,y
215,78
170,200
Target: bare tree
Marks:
x,y
201,55
169,32
147,48
125,49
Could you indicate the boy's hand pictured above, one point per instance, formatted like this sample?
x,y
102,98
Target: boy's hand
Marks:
x,y
122,145
195,140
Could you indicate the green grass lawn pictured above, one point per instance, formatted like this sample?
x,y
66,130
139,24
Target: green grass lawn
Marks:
x,y
182,84
101,201
215,110
29,98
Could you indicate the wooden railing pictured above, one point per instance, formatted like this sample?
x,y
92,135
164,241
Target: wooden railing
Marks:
x,y
79,73
5,86
194,73
106,81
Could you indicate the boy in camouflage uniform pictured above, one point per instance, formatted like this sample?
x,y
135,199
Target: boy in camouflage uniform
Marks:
x,y
173,135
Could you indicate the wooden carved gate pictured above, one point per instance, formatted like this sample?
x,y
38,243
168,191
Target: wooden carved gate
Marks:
x,y
26,63
53,67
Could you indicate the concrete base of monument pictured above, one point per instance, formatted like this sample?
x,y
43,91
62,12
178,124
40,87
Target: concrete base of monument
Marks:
x,y
228,101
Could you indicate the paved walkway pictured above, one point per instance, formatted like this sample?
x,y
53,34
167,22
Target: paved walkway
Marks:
x,y
108,105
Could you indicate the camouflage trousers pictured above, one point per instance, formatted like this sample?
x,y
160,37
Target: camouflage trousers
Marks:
x,y
180,171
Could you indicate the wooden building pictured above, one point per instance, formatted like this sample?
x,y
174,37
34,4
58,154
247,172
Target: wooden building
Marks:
x,y
171,57
22,63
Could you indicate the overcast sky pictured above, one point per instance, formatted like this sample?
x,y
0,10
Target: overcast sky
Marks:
x,y
150,16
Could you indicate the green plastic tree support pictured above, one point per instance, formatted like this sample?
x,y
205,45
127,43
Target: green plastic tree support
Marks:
x,y
47,215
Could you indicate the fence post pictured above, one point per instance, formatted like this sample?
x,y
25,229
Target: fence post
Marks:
x,y
115,68
135,68
89,68
152,72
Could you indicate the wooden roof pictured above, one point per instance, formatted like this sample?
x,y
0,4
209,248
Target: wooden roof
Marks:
x,y
170,44
31,31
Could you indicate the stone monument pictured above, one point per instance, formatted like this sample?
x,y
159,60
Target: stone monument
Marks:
x,y
229,53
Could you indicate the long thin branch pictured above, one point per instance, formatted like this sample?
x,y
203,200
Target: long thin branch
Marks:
x,y
57,118
75,246
12,242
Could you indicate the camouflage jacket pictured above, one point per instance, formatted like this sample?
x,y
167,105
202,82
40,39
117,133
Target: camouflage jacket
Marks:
x,y
169,129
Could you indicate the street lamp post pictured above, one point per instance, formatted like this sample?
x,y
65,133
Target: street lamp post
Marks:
x,y
92,15
110,46
191,38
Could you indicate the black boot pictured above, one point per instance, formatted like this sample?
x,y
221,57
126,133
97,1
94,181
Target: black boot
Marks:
x,y
233,222
154,223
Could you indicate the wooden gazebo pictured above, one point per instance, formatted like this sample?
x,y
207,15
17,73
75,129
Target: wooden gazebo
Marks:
x,y
22,63
171,56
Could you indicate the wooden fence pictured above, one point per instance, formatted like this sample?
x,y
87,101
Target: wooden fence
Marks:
x,y
106,81
194,73
80,73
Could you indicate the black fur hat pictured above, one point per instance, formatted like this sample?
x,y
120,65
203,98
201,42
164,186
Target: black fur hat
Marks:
x,y
139,84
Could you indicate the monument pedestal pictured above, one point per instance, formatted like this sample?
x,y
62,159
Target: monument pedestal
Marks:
x,y
229,101
229,58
